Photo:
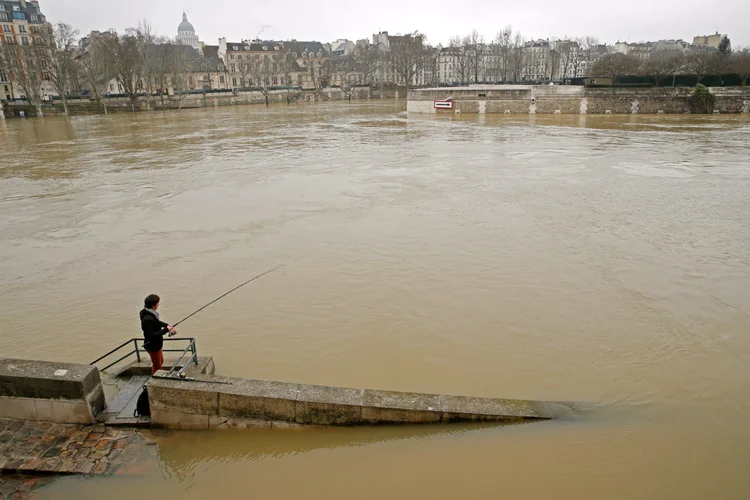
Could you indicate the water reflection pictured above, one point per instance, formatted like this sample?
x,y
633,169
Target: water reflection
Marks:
x,y
180,451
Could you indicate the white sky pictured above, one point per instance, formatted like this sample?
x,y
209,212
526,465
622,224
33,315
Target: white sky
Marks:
x,y
328,20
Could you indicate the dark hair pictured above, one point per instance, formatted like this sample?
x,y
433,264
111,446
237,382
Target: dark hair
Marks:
x,y
151,301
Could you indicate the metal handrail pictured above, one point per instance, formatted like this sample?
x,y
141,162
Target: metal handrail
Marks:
x,y
193,357
137,352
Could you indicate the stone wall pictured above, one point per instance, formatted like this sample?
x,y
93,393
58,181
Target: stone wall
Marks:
x,y
191,101
239,403
52,392
555,99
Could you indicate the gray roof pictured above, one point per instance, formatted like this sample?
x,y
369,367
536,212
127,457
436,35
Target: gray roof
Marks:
x,y
253,47
210,51
24,12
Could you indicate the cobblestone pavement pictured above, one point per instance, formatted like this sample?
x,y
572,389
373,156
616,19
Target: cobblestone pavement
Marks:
x,y
43,448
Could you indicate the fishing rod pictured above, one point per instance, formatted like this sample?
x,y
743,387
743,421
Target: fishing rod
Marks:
x,y
230,291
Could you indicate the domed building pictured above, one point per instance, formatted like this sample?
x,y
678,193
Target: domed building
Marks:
x,y
186,33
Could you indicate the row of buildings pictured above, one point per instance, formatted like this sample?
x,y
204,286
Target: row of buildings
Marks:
x,y
383,59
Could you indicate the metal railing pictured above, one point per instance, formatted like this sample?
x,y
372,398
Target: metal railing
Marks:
x,y
191,347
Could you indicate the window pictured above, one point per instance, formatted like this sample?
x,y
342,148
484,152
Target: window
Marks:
x,y
9,40
34,19
234,68
221,79
19,15
25,40
2,7
3,16
275,80
6,28
231,57
111,87
234,82
22,29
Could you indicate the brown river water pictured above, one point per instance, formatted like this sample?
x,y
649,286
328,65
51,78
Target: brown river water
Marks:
x,y
602,259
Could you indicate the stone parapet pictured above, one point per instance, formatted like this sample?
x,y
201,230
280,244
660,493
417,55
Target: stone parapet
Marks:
x,y
229,402
571,99
47,391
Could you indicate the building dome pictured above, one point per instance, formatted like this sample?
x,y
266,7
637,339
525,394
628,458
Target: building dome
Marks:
x,y
185,25
186,34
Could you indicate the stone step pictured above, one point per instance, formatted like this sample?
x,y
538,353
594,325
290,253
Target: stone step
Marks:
x,y
127,397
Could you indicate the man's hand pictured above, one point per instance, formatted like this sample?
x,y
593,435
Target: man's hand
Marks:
x,y
172,331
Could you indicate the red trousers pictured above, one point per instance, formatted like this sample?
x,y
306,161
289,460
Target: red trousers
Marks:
x,y
157,360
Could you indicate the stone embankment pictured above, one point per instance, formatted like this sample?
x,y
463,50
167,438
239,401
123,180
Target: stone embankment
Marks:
x,y
208,100
220,402
567,99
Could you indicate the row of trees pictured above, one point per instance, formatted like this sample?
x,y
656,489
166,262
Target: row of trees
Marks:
x,y
507,57
668,63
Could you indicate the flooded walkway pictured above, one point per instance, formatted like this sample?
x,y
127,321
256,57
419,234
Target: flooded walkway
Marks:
x,y
42,448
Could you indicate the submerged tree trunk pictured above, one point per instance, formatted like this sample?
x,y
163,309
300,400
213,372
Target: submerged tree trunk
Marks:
x,y
65,102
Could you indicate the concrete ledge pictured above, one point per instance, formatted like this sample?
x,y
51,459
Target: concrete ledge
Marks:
x,y
53,392
321,405
241,403
400,407
258,399
46,380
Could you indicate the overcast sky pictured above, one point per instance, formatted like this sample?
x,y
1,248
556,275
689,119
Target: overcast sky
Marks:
x,y
328,20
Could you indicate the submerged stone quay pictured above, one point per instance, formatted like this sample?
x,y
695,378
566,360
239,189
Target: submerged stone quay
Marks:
x,y
220,402
570,99
44,448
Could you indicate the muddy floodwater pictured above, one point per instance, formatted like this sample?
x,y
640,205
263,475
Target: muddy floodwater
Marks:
x,y
600,259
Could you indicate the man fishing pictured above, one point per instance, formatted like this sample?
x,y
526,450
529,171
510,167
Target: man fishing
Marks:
x,y
154,330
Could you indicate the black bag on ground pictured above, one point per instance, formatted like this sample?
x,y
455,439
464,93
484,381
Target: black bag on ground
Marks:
x,y
142,406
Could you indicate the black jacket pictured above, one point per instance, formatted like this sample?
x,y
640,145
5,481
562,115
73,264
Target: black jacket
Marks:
x,y
153,331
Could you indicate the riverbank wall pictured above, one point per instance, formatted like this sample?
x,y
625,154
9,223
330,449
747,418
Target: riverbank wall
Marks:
x,y
207,100
554,99
220,403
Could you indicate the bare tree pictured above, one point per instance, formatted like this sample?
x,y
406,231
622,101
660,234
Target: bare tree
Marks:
x,y
702,63
123,53
407,56
588,52
739,63
146,42
504,44
615,66
365,61
163,56
431,65
180,66
662,64
565,49
28,65
474,49
96,70
243,68
4,76
459,60
60,41
519,57
261,73
208,68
